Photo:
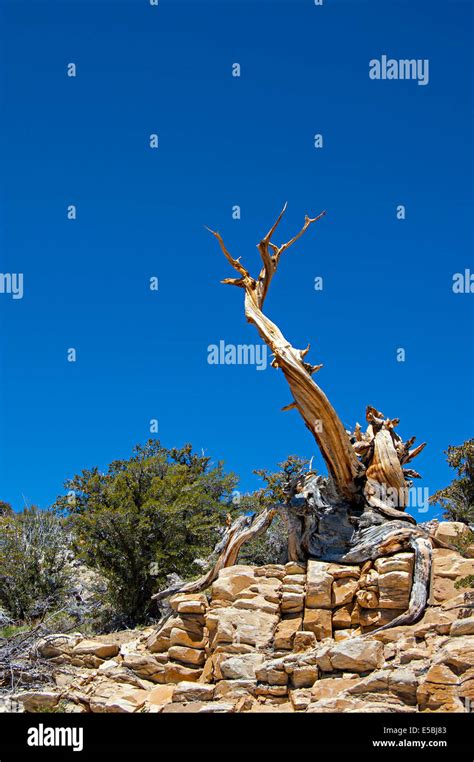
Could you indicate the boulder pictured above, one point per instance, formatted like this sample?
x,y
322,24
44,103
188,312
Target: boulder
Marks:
x,y
318,586
304,641
159,640
257,603
97,648
240,626
463,626
457,653
179,637
293,567
175,673
343,590
367,599
318,621
52,646
231,581
305,676
357,655
189,603
234,689
292,602
37,701
241,667
372,618
331,687
342,617
285,633
398,562
161,695
186,655
188,691
145,666
394,589
341,571
450,531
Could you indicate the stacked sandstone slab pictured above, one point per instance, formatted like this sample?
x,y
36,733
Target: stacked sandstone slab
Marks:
x,y
285,638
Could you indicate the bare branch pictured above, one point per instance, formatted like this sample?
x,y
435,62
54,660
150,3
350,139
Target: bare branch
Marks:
x,y
307,222
234,262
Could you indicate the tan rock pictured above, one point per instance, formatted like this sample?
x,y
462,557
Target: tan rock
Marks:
x,y
304,640
292,589
159,640
277,571
241,667
435,697
318,586
357,655
441,589
442,675
145,666
449,531
52,646
175,673
344,590
114,698
450,564
462,627
343,634
161,695
232,625
369,580
341,571
457,653
271,690
37,701
180,637
372,618
398,562
318,621
293,567
232,580
234,689
187,655
191,691
295,579
257,603
342,617
96,648
367,599
394,590
189,603
300,699
435,619
292,602
331,687
285,633
305,676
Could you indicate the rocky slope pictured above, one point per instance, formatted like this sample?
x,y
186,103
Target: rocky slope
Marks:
x,y
278,638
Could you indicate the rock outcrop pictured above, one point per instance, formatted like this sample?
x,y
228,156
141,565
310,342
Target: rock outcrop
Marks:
x,y
297,638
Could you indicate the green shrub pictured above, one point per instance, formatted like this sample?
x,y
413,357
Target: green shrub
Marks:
x,y
152,515
32,563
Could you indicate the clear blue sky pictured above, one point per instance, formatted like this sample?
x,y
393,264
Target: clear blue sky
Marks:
x,y
227,141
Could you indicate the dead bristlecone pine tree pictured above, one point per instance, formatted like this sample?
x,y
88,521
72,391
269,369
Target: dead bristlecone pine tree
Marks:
x,y
356,513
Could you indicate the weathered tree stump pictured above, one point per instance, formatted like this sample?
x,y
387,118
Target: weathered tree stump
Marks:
x,y
357,512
